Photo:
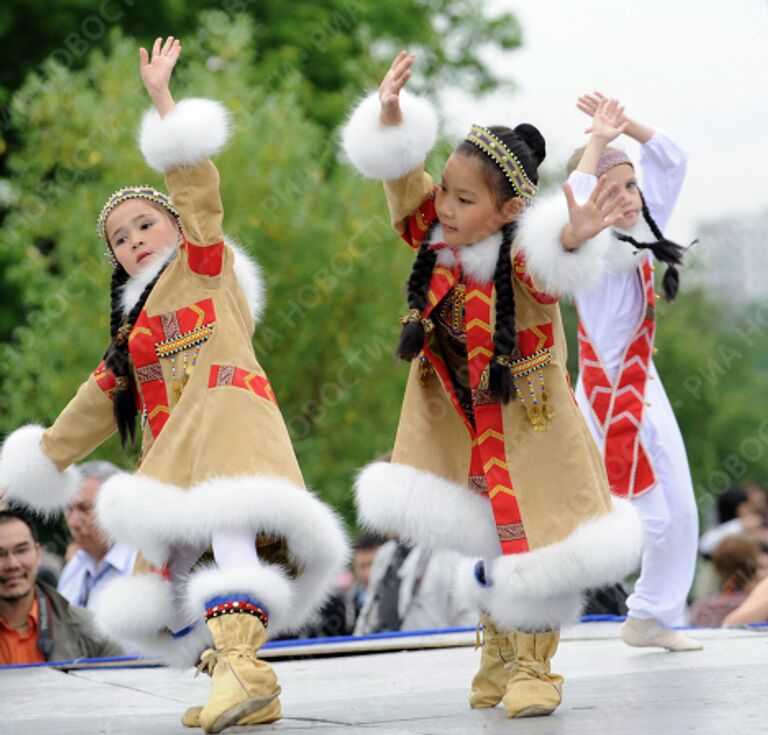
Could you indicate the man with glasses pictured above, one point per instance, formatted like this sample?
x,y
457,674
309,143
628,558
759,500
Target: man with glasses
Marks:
x,y
36,623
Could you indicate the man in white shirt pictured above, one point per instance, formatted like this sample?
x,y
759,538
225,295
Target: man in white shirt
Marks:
x,y
96,562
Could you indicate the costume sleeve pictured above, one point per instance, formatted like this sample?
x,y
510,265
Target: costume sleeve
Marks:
x,y
663,165
396,155
551,268
179,145
35,462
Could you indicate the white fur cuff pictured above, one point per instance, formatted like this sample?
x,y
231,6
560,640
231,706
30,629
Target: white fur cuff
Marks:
x,y
556,270
136,612
196,128
29,477
425,509
389,152
265,583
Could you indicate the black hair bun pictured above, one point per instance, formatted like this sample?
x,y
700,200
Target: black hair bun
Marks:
x,y
534,140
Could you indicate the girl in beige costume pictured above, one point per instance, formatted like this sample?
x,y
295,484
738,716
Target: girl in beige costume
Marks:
x,y
492,457
217,470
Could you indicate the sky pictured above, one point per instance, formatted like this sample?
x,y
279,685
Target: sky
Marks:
x,y
698,69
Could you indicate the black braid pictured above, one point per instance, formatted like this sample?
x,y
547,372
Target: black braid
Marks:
x,y
664,250
412,335
500,380
117,357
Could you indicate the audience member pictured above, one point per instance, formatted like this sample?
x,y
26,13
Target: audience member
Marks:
x,y
339,614
96,562
741,509
36,623
754,609
411,588
735,561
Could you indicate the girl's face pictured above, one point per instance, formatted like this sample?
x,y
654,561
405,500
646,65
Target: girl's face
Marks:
x,y
624,176
138,232
466,206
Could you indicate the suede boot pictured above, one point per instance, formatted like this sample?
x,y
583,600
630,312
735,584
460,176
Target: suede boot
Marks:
x,y
191,718
497,659
533,690
245,690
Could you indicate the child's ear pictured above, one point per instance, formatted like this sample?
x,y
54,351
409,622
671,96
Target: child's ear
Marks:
x,y
511,209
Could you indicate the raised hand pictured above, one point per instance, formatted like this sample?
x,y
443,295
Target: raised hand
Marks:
x,y
608,120
589,103
389,89
156,73
603,209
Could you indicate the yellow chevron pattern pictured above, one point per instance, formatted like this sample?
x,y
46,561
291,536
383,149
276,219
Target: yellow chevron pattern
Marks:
x,y
479,323
494,462
477,294
487,434
200,315
479,351
501,489
137,331
159,409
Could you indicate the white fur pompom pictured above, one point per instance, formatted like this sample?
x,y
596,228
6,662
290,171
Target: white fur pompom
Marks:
x,y
196,128
389,152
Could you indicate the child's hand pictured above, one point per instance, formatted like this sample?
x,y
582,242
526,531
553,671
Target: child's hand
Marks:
x,y
608,121
603,209
589,103
389,89
156,74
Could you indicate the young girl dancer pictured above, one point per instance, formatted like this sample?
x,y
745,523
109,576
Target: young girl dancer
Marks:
x,y
217,470
619,389
492,457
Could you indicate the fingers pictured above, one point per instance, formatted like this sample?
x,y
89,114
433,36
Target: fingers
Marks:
x,y
156,47
143,57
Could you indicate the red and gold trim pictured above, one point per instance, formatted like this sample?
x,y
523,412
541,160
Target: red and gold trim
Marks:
x,y
522,275
147,334
229,375
106,380
418,223
237,607
618,408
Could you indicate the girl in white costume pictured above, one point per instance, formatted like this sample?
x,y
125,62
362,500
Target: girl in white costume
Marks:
x,y
619,389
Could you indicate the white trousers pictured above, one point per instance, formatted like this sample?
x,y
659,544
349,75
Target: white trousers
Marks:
x,y
668,511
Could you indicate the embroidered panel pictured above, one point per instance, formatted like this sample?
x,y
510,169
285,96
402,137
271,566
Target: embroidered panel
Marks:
x,y
510,532
148,373
170,322
478,484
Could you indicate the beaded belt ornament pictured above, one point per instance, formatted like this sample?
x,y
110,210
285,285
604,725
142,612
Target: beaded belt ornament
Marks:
x,y
171,347
533,396
507,161
237,607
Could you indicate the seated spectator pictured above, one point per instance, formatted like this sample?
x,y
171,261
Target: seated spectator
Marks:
x,y
339,614
411,588
754,609
36,623
735,561
96,562
741,509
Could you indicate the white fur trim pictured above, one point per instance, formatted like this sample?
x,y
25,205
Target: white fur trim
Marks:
x,y
556,270
478,260
599,552
135,285
136,613
265,583
30,478
154,517
389,152
425,509
520,613
196,128
249,276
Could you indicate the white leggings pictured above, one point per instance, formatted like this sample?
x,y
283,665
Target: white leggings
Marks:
x,y
231,549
